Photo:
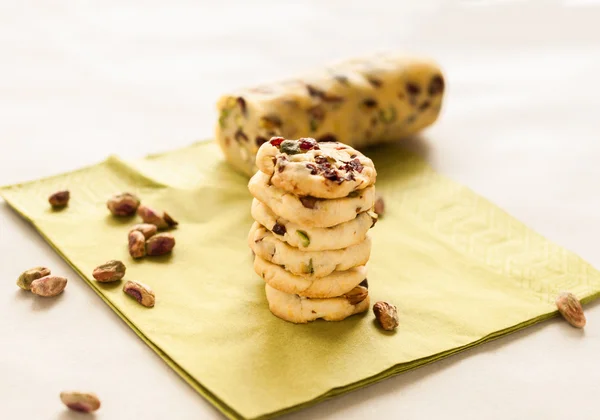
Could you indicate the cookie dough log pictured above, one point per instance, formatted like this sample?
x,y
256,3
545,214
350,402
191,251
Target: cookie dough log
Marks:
x,y
358,102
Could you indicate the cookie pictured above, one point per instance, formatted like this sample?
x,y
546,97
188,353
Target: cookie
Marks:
x,y
310,211
300,310
323,170
312,238
335,284
265,244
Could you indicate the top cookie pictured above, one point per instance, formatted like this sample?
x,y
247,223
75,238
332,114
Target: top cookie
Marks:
x,y
307,168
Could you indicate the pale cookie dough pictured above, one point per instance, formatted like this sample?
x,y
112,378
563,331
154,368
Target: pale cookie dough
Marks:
x,y
311,238
309,211
306,263
335,284
300,310
360,102
323,170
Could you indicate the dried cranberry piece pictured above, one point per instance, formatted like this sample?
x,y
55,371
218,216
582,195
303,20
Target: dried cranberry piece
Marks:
x,y
354,165
283,161
308,144
321,160
313,168
350,176
413,88
331,174
308,202
324,96
327,138
374,82
260,141
424,106
325,167
436,86
276,141
315,92
240,135
279,229
242,104
369,103
359,167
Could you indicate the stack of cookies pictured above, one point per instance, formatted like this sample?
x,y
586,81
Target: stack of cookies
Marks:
x,y
313,208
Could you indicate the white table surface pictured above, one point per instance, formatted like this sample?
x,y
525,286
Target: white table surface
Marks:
x,y
80,80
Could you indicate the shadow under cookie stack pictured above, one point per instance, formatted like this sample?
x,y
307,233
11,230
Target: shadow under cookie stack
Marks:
x,y
313,208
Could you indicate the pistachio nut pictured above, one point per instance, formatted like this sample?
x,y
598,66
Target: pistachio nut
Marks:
x,y
112,270
386,314
160,244
123,204
137,244
83,402
25,279
147,229
59,199
48,286
140,292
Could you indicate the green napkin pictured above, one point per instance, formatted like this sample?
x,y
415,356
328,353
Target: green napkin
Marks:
x,y
460,270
